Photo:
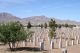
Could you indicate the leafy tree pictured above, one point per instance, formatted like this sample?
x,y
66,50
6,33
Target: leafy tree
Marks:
x,y
52,25
29,25
71,26
59,26
51,34
66,25
41,25
12,32
45,25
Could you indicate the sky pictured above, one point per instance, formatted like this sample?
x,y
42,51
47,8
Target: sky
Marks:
x,y
59,9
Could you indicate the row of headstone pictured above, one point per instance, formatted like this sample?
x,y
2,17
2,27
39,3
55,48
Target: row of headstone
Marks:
x,y
52,43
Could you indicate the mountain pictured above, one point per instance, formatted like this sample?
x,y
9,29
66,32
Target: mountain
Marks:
x,y
35,20
7,17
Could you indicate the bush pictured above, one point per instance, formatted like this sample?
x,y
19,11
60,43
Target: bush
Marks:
x,y
12,32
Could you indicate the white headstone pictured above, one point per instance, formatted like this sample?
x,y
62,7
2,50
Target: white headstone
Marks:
x,y
60,44
41,45
72,42
37,39
30,40
51,45
64,50
11,45
56,40
77,41
66,43
75,37
78,36
23,43
33,41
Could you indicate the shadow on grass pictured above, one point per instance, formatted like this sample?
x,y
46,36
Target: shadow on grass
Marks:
x,y
25,48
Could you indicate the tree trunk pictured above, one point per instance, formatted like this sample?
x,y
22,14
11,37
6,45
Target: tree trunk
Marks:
x,y
10,46
13,44
17,44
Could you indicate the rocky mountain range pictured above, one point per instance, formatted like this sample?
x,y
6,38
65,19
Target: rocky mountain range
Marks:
x,y
7,17
35,20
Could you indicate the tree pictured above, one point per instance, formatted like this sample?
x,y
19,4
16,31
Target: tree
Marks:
x,y
59,26
52,25
66,25
45,25
41,25
71,26
51,34
29,25
12,32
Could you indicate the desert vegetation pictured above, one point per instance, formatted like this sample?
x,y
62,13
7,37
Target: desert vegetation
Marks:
x,y
13,32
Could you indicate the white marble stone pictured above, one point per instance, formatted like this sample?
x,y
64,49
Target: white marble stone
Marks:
x,y
60,44
64,50
52,45
66,43
77,41
41,45
23,43
75,37
72,42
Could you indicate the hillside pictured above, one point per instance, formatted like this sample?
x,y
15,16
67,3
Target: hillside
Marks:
x,y
35,20
7,17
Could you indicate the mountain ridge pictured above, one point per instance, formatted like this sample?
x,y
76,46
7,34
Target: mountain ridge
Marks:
x,y
35,20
